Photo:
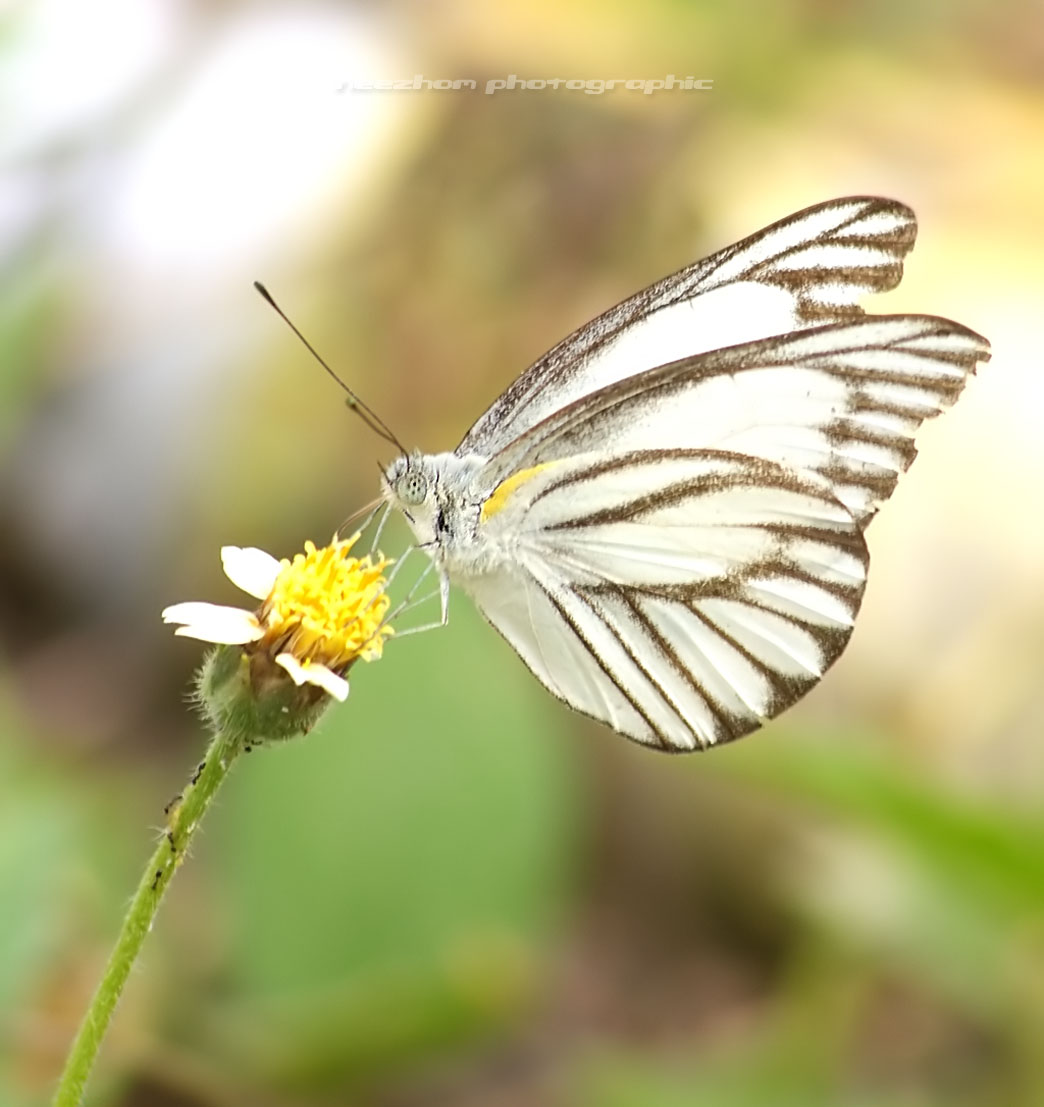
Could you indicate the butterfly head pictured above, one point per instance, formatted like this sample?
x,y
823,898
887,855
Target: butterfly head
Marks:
x,y
410,484
435,493
408,481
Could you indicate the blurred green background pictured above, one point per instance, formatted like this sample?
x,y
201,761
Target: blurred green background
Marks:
x,y
455,891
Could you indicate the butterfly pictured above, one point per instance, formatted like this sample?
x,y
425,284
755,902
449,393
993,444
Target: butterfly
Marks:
x,y
664,515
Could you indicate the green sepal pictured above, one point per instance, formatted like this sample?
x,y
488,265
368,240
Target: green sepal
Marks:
x,y
253,700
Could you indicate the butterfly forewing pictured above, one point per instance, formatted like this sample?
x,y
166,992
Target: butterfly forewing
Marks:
x,y
808,269
682,597
841,403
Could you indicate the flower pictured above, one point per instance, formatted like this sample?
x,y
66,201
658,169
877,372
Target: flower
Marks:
x,y
320,612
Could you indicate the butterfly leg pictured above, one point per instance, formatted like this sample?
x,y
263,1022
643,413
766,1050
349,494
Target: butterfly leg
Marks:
x,y
424,626
375,543
444,586
394,572
409,602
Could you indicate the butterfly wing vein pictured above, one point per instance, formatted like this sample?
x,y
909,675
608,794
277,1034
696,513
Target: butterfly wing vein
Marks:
x,y
681,597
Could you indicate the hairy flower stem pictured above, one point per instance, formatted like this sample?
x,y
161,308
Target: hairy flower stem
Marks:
x,y
183,818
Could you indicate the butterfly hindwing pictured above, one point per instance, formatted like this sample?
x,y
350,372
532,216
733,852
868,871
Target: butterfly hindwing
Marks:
x,y
681,596
808,269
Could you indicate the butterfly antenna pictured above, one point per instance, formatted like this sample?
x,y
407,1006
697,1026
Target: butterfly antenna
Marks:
x,y
363,410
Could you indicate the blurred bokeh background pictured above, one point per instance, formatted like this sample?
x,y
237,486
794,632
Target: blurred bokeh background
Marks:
x,y
455,891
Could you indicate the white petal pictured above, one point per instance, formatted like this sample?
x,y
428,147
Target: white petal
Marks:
x,y
251,569
312,672
329,681
298,673
213,623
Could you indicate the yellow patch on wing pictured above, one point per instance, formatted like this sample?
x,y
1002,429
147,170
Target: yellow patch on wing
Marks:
x,y
502,493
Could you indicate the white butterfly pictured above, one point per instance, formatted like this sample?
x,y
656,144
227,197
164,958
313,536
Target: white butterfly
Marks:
x,y
664,515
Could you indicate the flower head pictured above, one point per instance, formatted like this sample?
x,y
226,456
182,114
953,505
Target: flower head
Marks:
x,y
320,612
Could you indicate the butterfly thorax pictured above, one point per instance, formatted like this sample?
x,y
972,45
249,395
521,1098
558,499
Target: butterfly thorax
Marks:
x,y
441,497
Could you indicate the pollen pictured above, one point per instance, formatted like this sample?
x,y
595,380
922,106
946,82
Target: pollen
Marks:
x,y
327,607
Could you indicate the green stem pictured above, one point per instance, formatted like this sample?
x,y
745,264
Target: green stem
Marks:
x,y
183,819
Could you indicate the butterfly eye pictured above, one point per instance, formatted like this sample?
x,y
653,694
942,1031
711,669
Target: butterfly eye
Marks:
x,y
412,487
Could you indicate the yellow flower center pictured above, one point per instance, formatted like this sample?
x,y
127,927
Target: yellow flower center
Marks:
x,y
327,607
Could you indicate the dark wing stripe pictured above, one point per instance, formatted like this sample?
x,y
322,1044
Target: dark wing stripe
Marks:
x,y
757,623
803,281
731,725
727,266
736,587
847,595
783,688
836,539
596,657
748,472
598,612
677,493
